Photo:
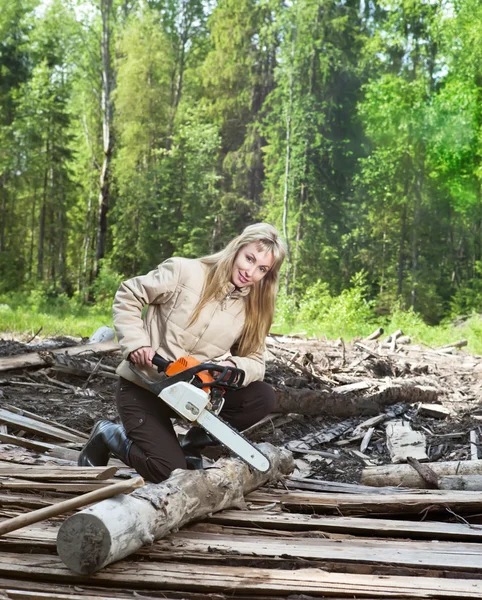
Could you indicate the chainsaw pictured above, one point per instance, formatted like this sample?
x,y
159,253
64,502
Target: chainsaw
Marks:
x,y
195,391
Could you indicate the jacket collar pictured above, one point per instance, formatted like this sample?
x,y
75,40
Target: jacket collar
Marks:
x,y
229,289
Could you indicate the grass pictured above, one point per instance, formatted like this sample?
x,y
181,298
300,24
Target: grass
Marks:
x,y
23,315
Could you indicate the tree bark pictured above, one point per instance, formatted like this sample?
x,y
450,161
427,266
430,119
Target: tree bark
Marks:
x,y
114,528
107,114
317,402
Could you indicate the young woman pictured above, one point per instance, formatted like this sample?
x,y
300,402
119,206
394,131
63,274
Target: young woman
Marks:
x,y
217,308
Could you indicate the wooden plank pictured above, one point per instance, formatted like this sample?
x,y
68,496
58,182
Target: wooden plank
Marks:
x,y
320,485
6,438
34,359
435,555
35,426
354,525
91,592
223,579
55,473
54,486
121,487
35,417
403,442
362,505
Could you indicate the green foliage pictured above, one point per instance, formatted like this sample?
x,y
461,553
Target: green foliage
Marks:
x,y
105,286
358,130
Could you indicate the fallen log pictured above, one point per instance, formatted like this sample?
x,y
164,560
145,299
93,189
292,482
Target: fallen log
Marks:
x,y
406,476
316,402
115,528
461,482
34,359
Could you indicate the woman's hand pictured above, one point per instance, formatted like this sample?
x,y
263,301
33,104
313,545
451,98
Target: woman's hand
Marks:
x,y
229,364
142,356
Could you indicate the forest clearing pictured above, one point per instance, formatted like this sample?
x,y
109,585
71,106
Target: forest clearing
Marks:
x,y
382,498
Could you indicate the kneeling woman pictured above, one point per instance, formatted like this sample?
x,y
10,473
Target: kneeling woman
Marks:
x,y
216,306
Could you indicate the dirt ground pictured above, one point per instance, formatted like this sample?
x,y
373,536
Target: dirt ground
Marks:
x,y
78,401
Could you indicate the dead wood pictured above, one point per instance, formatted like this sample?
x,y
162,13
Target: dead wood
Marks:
x,y
121,487
328,401
35,358
425,472
406,476
113,529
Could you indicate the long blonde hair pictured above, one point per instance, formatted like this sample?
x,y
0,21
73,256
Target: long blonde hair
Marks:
x,y
260,301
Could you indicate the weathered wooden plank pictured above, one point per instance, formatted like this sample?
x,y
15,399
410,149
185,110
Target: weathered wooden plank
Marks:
x,y
34,359
35,417
435,555
320,485
55,473
6,438
403,442
216,578
79,487
35,426
17,587
357,504
353,525
121,487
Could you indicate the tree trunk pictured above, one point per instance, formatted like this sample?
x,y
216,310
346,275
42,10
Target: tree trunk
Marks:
x,y
105,175
327,401
287,172
407,476
114,528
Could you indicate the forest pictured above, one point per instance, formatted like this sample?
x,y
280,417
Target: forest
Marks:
x,y
135,130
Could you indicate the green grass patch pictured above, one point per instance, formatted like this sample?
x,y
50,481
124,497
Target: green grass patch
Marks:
x,y
23,315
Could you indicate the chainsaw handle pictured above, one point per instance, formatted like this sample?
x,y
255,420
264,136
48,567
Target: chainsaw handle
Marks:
x,y
160,362
224,377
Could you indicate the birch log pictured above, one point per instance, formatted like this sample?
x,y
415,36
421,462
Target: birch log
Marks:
x,y
115,528
406,476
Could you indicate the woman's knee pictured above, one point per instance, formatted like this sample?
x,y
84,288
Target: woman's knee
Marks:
x,y
263,394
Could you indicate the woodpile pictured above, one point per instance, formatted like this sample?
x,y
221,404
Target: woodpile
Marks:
x,y
384,500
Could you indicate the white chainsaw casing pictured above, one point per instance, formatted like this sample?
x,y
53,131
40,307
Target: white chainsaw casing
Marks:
x,y
192,403
187,400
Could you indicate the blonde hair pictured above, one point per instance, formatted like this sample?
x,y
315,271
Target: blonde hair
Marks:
x,y
260,301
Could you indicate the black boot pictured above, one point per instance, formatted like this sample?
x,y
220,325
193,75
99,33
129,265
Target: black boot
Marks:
x,y
106,438
196,440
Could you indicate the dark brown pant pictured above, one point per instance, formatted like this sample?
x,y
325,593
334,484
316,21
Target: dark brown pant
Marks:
x,y
155,450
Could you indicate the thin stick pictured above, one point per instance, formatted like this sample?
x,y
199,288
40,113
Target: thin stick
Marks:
x,y
67,505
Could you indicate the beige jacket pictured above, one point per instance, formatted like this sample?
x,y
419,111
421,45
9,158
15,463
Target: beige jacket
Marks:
x,y
171,292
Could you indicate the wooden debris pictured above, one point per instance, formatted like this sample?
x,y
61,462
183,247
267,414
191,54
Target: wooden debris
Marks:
x,y
403,441
353,525
248,580
411,502
425,472
39,427
461,482
310,441
474,445
121,487
436,411
123,525
57,473
405,475
35,358
326,401
366,439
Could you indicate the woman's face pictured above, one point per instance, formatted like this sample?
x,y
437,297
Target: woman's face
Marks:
x,y
251,264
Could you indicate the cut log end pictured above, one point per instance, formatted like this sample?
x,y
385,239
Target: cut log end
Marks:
x,y
83,543
114,528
